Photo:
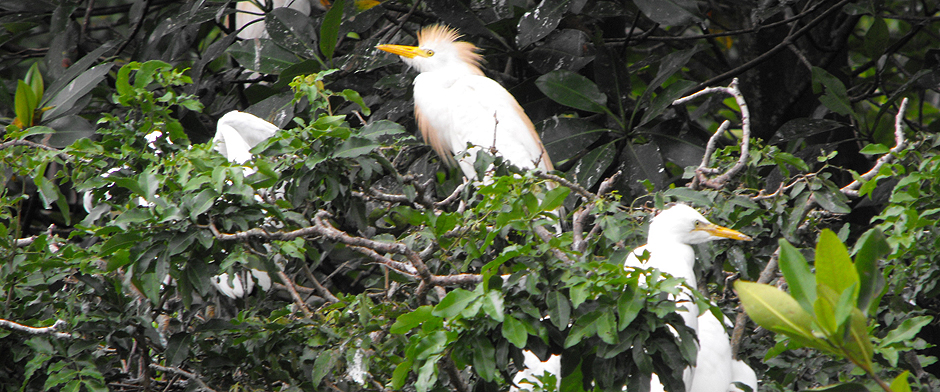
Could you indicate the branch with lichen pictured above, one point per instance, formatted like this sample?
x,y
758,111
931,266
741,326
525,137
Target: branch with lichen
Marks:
x,y
50,330
900,143
701,179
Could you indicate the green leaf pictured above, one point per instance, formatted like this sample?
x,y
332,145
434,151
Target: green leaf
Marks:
x,y
870,247
354,147
329,29
799,277
323,365
908,330
876,39
262,56
430,345
843,387
177,349
493,305
484,358
607,327
775,310
514,331
539,22
857,344
628,306
34,80
559,310
427,375
353,96
410,320
201,203
874,149
824,310
900,383
585,326
24,103
59,377
574,90
835,98
454,303
554,198
834,267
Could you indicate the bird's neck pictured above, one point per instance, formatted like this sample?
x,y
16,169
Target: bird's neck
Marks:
x,y
674,258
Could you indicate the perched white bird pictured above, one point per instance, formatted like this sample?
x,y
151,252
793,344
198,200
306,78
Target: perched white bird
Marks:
x,y
671,236
456,105
236,133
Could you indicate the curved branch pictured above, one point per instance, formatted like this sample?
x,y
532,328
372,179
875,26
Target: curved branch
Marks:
x,y
900,143
720,181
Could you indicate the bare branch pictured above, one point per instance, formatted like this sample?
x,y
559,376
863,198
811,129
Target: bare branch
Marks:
x,y
293,293
317,286
900,143
50,330
453,195
175,370
721,180
575,187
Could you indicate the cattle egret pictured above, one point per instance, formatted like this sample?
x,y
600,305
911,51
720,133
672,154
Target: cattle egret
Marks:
x,y
671,236
236,133
456,105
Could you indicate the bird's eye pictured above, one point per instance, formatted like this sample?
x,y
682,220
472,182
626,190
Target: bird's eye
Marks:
x,y
429,52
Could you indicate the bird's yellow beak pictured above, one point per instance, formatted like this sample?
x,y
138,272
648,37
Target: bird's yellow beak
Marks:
x,y
403,50
723,232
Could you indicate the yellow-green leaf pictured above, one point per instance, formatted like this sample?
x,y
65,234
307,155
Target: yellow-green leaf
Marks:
x,y
834,267
900,383
774,309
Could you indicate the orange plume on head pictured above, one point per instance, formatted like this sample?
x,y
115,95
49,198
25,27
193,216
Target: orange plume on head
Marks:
x,y
437,33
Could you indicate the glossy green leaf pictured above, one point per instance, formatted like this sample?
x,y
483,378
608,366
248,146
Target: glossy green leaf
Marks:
x,y
574,90
354,97
24,103
559,309
870,247
554,198
900,383
454,303
484,358
65,100
584,326
493,305
514,331
874,149
628,306
329,28
908,330
834,267
409,321
774,309
799,277
34,80
262,55
539,22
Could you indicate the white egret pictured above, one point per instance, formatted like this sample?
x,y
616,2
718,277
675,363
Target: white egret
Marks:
x,y
456,105
236,133
671,236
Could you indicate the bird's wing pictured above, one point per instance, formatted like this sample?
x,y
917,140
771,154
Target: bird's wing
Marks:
x,y
230,144
742,373
475,109
713,361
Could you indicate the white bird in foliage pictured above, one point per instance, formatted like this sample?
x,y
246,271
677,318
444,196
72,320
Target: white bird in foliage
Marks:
x,y
671,236
236,133
456,105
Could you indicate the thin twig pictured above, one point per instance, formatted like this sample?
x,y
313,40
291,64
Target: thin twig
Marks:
x,y
175,370
740,321
317,286
900,143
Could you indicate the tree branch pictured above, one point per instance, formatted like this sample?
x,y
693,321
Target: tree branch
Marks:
x,y
700,179
900,143
50,330
175,370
